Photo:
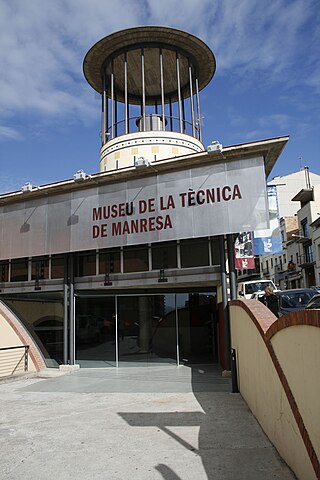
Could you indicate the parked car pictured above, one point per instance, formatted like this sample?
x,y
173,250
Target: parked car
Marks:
x,y
261,293
316,288
247,289
257,295
295,299
314,303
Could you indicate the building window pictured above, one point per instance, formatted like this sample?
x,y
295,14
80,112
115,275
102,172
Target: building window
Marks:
x,y
284,258
109,261
305,227
135,259
164,255
194,253
308,253
57,266
271,261
86,264
19,270
215,251
40,268
4,271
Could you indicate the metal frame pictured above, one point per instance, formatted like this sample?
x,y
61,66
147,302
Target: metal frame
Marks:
x,y
116,298
120,126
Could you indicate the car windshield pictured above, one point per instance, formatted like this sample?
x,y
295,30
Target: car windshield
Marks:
x,y
315,303
257,286
295,299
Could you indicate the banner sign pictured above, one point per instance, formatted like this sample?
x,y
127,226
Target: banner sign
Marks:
x,y
267,242
244,251
201,201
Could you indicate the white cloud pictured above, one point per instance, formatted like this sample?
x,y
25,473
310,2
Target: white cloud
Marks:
x,y
266,126
276,120
9,133
42,45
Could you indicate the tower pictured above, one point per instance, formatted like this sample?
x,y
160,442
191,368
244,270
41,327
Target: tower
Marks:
x,y
149,79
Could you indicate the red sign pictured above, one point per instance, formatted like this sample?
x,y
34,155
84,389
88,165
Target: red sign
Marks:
x,y
243,251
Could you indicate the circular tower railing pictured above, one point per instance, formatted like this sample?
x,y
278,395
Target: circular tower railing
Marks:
x,y
149,79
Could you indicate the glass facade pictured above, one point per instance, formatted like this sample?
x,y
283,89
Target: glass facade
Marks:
x,y
197,319
42,315
164,255
199,252
40,268
123,330
19,270
135,259
147,329
4,271
57,266
131,330
109,261
95,331
86,264
194,253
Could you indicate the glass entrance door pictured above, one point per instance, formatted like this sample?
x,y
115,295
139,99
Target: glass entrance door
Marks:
x,y
197,322
147,330
130,330
95,332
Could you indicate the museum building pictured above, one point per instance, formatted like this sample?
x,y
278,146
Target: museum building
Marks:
x,y
128,265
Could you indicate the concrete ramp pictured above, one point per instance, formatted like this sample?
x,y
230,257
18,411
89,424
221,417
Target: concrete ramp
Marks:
x,y
172,423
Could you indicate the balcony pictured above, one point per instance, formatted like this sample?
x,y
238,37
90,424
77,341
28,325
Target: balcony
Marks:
x,y
306,260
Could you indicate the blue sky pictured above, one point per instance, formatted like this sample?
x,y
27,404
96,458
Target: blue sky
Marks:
x,y
267,82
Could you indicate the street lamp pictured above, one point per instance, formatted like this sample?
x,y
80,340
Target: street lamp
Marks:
x,y
300,236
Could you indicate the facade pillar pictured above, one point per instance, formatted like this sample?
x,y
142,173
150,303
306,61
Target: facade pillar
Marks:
x,y
226,320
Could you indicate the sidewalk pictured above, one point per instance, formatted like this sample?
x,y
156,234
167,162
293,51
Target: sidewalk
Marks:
x,y
132,423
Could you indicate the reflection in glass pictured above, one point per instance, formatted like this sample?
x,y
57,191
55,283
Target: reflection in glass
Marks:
x,y
147,329
135,259
40,268
57,266
95,331
19,270
42,315
109,261
197,322
215,251
147,332
164,255
4,271
86,264
194,252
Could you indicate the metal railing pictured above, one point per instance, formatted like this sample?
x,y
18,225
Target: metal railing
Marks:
x,y
171,121
306,258
11,360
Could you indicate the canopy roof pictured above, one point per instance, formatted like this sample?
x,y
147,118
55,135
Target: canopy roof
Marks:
x,y
151,39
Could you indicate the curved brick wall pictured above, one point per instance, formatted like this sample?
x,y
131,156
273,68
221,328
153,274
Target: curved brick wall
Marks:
x,y
13,331
282,343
